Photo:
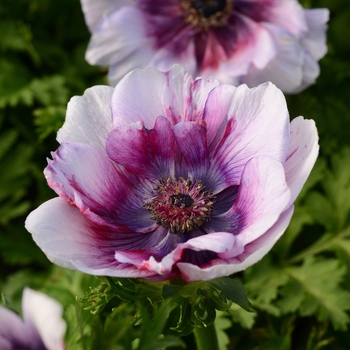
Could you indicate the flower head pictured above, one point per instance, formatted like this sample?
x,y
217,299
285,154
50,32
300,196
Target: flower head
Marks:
x,y
42,327
236,41
166,176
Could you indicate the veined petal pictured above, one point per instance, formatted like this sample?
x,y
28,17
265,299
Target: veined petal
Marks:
x,y
174,95
302,154
217,242
86,178
196,154
146,153
258,124
216,112
70,240
44,314
89,118
262,196
253,252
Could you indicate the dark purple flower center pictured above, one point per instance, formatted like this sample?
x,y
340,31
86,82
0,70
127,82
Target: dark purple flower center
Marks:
x,y
182,205
206,13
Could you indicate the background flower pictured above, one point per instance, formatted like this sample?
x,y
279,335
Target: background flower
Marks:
x,y
237,41
164,176
42,326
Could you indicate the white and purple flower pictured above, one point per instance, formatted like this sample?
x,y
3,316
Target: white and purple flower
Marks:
x,y
236,41
42,327
166,176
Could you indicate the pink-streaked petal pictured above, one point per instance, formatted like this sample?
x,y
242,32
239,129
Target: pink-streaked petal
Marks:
x,y
217,242
302,154
216,112
285,70
118,35
146,153
86,178
45,315
262,196
94,11
89,118
258,125
13,331
253,252
69,240
174,95
163,58
315,39
196,153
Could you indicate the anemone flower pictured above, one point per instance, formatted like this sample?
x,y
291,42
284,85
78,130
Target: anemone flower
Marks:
x,y
236,41
42,327
165,176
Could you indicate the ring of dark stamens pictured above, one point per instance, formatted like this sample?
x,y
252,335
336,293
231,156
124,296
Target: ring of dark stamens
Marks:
x,y
182,205
206,13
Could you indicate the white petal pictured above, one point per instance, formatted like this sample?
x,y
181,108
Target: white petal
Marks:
x,y
89,118
302,155
285,70
262,196
145,94
218,242
94,11
119,34
258,125
315,39
252,254
45,314
68,240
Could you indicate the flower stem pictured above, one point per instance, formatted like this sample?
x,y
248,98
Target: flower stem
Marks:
x,y
206,338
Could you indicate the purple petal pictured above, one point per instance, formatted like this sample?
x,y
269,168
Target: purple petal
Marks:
x,y
145,153
86,178
217,242
302,154
258,125
196,154
262,196
89,118
70,240
253,252
13,332
44,315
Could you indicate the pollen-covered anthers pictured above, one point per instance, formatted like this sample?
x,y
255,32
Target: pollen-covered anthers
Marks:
x,y
206,13
182,205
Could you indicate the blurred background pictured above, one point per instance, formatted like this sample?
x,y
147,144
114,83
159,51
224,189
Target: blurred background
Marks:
x,y
301,289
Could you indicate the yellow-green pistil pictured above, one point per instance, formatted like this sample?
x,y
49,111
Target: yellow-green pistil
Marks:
x,y
182,205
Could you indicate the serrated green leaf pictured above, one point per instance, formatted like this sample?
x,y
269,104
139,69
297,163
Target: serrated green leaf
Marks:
x,y
239,315
324,297
263,281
